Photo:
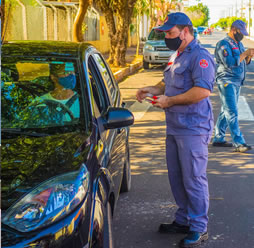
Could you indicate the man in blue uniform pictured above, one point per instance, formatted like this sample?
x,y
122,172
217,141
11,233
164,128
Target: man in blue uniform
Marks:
x,y
184,95
231,58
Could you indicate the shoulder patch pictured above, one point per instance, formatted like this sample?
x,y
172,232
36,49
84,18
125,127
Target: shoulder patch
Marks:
x,y
225,53
203,63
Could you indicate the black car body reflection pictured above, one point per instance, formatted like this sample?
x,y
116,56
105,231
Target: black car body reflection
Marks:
x,y
65,150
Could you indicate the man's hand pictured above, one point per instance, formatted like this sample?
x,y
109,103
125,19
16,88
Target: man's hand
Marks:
x,y
163,101
152,90
142,94
250,52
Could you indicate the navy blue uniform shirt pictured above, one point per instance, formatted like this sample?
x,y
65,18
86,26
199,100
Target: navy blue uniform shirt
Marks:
x,y
229,67
193,67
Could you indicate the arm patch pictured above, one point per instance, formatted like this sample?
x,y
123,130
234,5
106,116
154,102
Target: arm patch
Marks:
x,y
225,53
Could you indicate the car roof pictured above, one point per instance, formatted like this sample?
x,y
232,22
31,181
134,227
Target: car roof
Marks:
x,y
44,48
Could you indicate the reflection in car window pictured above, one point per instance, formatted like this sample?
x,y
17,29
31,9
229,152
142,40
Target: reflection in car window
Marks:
x,y
156,35
98,92
106,76
39,94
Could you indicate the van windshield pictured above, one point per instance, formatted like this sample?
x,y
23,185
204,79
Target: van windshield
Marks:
x,y
155,35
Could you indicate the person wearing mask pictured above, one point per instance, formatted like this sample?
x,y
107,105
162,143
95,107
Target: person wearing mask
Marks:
x,y
184,95
231,58
64,83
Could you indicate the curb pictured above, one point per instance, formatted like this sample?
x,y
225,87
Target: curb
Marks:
x,y
132,68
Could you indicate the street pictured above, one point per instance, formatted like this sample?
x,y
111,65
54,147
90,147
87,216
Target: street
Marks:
x,y
150,201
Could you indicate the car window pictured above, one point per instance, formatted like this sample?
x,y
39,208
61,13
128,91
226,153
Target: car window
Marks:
x,y
39,94
105,74
99,94
156,35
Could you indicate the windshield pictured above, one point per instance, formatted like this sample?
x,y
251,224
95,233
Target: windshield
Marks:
x,y
39,94
156,35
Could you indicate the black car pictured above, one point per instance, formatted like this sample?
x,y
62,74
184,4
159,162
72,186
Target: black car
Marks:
x,y
65,150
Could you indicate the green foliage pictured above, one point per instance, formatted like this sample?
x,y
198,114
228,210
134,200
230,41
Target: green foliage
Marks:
x,y
132,29
141,7
227,22
199,14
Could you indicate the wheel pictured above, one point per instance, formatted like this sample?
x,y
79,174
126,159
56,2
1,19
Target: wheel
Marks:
x,y
107,234
126,181
145,65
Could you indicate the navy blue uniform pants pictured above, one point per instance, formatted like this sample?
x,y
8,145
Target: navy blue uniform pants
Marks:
x,y
187,158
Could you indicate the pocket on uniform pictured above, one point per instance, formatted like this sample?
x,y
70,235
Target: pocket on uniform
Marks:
x,y
237,69
199,162
178,81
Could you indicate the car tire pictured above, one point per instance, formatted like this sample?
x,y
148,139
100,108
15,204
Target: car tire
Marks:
x,y
145,65
108,235
126,181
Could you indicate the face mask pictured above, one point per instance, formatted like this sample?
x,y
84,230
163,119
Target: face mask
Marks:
x,y
68,82
238,36
173,44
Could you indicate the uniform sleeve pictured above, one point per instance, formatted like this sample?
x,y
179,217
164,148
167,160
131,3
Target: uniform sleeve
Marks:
x,y
226,56
203,71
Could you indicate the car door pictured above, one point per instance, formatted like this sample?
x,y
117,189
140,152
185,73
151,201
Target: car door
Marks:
x,y
105,94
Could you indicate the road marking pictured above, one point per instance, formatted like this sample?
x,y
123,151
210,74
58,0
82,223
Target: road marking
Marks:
x,y
139,109
244,111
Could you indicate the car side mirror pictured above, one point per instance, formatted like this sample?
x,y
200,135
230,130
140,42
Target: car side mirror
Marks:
x,y
143,39
118,118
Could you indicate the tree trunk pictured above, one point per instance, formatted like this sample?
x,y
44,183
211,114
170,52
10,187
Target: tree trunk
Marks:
x,y
152,17
138,20
77,26
2,18
122,40
118,33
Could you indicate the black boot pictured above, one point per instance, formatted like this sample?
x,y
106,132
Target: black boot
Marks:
x,y
173,228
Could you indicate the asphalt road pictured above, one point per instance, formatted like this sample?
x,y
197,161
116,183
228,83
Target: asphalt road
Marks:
x,y
150,201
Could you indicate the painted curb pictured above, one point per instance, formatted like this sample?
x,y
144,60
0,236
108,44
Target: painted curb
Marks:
x,y
132,68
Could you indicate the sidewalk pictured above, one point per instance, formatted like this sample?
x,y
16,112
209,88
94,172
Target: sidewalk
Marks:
x,y
133,64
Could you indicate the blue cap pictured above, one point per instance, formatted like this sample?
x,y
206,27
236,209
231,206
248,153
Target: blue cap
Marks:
x,y
177,18
241,25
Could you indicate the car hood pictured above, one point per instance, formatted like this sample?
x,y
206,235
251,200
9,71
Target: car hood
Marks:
x,y
28,161
156,43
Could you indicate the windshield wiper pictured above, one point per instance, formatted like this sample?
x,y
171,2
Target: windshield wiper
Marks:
x,y
21,131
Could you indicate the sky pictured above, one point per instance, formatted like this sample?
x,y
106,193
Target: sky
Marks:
x,y
218,8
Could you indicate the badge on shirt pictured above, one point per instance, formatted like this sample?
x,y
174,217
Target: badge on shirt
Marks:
x,y
225,53
203,63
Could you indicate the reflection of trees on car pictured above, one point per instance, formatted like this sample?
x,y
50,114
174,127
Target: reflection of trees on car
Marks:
x,y
27,92
57,175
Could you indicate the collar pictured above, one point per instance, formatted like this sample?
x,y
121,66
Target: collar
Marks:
x,y
191,46
230,40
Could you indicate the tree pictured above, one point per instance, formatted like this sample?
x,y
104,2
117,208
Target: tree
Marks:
x,y
118,15
227,22
164,7
141,7
199,14
151,14
77,26
4,5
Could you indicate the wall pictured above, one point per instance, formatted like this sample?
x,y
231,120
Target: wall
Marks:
x,y
59,19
